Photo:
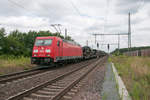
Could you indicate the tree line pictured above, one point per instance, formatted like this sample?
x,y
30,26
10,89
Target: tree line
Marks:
x,y
21,43
123,50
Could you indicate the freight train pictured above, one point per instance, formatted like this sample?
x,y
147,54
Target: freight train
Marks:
x,y
52,49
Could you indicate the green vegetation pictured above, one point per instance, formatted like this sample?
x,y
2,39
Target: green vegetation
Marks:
x,y
104,97
10,64
20,43
7,61
135,72
121,51
16,49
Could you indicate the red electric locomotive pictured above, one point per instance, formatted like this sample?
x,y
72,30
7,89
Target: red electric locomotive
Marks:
x,y
53,49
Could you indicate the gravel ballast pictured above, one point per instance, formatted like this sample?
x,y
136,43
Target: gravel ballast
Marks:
x,y
15,87
93,85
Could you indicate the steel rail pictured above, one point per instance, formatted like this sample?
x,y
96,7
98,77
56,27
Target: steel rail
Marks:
x,y
71,85
18,75
38,87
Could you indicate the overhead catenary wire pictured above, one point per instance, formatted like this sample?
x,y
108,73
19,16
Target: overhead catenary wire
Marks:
x,y
24,8
76,9
27,10
20,6
74,6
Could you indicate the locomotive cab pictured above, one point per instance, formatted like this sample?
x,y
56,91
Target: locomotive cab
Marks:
x,y
46,49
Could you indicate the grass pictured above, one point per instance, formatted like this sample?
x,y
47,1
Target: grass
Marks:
x,y
104,97
135,72
9,64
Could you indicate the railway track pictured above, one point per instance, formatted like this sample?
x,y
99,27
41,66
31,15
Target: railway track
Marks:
x,y
62,87
19,75
4,79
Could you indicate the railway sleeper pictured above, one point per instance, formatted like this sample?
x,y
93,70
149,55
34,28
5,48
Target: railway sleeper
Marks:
x,y
59,85
74,90
27,98
51,90
66,97
55,87
39,96
45,92
71,93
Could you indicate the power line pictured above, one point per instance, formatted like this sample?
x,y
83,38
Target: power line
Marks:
x,y
18,5
74,6
82,14
24,8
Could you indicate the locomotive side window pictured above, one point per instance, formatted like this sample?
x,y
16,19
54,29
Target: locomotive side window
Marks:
x,y
42,42
58,43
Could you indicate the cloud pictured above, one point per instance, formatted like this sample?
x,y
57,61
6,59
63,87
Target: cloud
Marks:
x,y
145,29
80,17
132,6
8,9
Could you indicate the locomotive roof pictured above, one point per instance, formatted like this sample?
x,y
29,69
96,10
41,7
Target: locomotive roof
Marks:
x,y
46,37
71,42
67,41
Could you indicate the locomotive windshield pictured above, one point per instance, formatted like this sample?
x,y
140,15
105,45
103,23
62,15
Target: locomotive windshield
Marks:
x,y
43,42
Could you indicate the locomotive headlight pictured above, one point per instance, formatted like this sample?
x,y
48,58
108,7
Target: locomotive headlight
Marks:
x,y
48,51
35,55
35,51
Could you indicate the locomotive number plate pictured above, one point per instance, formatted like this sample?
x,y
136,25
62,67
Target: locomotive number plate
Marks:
x,y
41,50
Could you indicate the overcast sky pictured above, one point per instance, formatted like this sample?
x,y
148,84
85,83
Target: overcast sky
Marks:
x,y
81,18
